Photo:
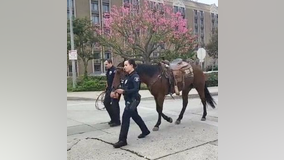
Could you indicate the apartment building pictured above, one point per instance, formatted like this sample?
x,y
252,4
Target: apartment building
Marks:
x,y
202,18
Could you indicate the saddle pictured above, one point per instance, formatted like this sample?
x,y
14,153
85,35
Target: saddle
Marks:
x,y
180,70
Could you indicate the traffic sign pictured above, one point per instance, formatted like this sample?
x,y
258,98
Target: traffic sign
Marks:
x,y
72,54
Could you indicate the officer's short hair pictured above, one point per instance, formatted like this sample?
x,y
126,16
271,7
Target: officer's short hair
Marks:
x,y
132,62
109,61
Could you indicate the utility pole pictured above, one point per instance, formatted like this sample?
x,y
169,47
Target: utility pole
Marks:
x,y
72,42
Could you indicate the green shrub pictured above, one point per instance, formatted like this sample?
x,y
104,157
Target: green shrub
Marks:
x,y
97,83
212,80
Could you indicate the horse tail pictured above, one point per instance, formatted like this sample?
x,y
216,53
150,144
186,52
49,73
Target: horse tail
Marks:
x,y
208,97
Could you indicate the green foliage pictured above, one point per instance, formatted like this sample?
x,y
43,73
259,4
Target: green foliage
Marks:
x,y
92,83
212,46
98,83
84,40
171,56
212,79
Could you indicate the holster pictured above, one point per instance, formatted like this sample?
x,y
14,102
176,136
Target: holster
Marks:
x,y
133,105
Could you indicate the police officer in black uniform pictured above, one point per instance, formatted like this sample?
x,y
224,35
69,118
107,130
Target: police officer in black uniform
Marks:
x,y
111,104
130,89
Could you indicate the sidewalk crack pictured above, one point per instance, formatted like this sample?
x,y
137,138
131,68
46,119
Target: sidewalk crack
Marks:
x,y
187,149
68,149
133,152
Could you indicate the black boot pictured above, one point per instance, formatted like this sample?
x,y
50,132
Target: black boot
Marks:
x,y
120,144
143,134
114,124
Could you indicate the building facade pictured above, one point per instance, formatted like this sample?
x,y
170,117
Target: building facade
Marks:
x,y
202,18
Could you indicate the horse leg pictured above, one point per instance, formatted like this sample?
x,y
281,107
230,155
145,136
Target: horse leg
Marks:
x,y
159,107
156,127
184,103
200,90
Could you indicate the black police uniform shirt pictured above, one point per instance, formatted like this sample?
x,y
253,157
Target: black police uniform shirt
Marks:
x,y
131,86
110,75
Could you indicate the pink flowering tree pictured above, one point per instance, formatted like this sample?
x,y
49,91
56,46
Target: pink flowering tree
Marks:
x,y
140,31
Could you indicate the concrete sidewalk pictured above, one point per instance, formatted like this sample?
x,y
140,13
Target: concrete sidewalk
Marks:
x,y
145,94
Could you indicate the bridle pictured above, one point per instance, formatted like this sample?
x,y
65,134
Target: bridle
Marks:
x,y
119,78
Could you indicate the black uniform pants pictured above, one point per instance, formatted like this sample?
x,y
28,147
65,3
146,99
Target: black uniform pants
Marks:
x,y
112,107
127,114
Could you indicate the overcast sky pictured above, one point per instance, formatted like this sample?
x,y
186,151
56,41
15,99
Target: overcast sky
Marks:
x,y
208,1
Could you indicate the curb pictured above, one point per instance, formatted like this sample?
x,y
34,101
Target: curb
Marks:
x,y
145,98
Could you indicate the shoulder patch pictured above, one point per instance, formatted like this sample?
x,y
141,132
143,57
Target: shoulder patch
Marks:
x,y
136,79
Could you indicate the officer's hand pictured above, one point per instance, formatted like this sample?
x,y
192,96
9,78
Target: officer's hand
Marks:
x,y
112,94
120,91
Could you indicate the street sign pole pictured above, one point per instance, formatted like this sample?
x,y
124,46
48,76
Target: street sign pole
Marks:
x,y
72,42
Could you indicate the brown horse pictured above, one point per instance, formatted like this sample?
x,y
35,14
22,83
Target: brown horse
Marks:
x,y
157,83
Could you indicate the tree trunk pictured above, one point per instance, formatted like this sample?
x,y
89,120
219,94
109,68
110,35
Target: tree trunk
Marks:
x,y
85,69
147,60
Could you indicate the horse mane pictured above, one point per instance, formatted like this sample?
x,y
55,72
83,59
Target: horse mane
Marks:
x,y
146,69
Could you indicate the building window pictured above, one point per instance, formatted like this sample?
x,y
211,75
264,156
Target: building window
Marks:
x,y
201,14
135,2
195,12
107,55
195,20
105,7
175,9
196,30
97,67
70,69
95,19
217,19
95,6
152,5
68,4
182,11
69,14
97,55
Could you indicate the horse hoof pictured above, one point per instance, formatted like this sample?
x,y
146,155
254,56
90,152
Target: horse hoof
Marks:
x,y
155,128
177,121
203,119
171,120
